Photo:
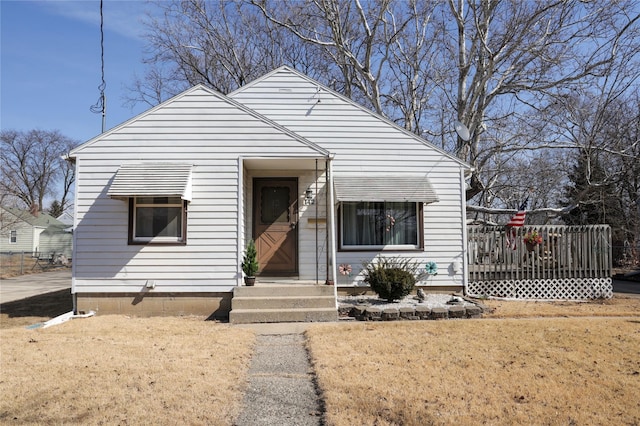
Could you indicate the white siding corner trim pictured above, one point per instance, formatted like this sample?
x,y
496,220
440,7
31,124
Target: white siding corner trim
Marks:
x,y
152,179
384,188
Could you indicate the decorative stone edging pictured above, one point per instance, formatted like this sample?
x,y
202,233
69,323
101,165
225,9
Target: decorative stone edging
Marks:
x,y
372,313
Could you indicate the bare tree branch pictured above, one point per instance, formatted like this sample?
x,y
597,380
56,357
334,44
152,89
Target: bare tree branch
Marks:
x,y
32,165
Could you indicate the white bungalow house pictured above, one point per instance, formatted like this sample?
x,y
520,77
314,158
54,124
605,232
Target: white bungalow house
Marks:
x,y
167,201
33,232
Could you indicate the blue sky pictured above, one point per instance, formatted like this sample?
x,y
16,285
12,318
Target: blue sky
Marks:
x,y
50,63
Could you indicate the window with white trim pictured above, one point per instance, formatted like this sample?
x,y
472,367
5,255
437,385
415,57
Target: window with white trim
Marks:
x,y
13,237
380,225
157,220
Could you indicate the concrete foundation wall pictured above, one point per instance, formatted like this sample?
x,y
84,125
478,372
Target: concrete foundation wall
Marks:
x,y
366,290
211,305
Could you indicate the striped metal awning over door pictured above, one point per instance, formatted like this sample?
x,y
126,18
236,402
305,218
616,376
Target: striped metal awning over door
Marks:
x,y
384,188
152,180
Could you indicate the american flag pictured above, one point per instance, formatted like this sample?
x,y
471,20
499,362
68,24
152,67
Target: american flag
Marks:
x,y
517,221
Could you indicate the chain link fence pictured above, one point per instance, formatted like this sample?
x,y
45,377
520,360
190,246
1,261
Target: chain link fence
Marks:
x,y
13,264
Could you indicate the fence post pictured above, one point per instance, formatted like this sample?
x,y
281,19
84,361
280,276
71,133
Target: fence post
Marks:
x,y
22,263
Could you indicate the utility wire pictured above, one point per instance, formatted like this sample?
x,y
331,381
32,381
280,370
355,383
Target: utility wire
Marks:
x,y
101,106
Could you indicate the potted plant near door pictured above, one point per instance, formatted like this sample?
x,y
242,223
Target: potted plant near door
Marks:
x,y
250,263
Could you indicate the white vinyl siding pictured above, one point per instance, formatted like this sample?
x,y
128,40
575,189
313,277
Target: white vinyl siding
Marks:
x,y
198,128
26,235
367,146
214,135
57,242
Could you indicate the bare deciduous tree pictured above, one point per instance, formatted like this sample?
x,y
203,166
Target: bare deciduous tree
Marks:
x,y
513,57
32,165
506,69
381,52
220,44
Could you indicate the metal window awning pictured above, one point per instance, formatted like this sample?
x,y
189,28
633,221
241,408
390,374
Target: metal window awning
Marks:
x,y
152,180
384,188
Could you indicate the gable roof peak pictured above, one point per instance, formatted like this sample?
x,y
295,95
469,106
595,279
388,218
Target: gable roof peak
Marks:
x,y
220,96
355,104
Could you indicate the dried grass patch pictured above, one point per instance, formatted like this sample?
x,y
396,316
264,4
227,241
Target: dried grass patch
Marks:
x,y
14,265
501,372
120,370
620,306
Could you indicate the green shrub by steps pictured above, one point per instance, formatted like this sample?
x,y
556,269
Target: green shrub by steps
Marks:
x,y
391,278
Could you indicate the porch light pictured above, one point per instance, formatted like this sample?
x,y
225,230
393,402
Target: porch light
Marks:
x,y
308,197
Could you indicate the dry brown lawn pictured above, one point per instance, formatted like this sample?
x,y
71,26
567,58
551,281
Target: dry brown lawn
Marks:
x,y
619,306
15,265
542,371
119,370
541,368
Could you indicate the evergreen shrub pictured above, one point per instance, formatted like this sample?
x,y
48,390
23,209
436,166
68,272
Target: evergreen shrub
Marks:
x,y
391,278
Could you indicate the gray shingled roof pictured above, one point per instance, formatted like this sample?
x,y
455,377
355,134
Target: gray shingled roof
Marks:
x,y
43,220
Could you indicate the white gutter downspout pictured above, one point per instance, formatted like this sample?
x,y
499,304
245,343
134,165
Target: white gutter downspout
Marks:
x,y
316,210
74,234
60,319
331,228
327,203
465,242
240,229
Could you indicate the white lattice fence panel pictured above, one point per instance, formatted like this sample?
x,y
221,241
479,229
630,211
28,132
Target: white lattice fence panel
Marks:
x,y
544,289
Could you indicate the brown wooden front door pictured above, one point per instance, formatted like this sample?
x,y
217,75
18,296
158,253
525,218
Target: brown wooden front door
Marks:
x,y
275,219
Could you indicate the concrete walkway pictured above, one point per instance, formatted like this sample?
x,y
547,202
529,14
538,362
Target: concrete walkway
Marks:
x,y
281,387
29,285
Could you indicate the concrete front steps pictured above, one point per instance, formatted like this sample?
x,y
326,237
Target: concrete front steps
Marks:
x,y
283,303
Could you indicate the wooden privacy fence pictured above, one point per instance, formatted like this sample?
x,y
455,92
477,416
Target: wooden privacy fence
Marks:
x,y
570,262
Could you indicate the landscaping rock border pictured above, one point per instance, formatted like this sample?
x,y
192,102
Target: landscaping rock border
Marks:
x,y
407,313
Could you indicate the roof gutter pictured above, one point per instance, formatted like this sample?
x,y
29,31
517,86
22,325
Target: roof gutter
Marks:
x,y
69,158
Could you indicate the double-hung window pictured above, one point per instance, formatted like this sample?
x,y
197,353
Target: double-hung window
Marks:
x,y
382,212
158,194
380,225
157,220
13,237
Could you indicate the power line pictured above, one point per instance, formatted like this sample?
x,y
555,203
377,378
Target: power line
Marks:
x,y
101,106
